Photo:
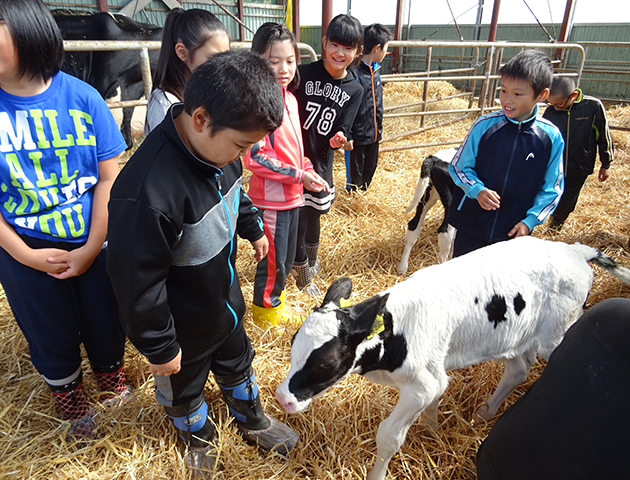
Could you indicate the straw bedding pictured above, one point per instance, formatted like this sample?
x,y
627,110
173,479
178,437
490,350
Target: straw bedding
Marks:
x,y
362,238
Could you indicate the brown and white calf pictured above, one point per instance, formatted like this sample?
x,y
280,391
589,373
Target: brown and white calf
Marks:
x,y
511,301
435,183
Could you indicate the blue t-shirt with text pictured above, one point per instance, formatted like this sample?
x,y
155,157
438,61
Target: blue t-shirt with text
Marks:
x,y
50,146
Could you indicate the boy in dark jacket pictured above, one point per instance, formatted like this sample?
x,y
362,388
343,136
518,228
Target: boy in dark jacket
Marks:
x,y
584,127
175,211
362,150
509,167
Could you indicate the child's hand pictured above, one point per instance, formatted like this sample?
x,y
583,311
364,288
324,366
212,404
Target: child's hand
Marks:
x,y
76,261
349,145
338,141
313,182
519,230
489,199
261,247
603,175
40,259
169,368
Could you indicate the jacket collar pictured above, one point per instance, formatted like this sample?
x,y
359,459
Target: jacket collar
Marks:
x,y
528,121
170,131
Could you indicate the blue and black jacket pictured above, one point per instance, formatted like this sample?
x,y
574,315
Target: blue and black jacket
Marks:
x,y
521,161
173,221
368,124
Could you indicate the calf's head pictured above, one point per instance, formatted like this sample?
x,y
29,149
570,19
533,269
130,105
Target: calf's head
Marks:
x,y
324,349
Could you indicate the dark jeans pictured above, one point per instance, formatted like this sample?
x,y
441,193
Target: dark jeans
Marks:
x,y
56,316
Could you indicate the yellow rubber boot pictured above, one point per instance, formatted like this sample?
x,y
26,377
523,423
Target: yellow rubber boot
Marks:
x,y
270,317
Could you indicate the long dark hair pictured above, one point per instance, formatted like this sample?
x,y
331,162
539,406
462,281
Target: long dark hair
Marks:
x,y
271,32
35,35
193,28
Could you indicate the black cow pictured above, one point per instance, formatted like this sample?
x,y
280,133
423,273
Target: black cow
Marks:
x,y
113,72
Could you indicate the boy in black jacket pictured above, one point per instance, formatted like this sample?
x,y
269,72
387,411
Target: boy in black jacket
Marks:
x,y
175,211
582,121
362,150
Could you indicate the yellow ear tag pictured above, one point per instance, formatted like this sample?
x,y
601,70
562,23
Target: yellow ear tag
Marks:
x,y
378,327
344,302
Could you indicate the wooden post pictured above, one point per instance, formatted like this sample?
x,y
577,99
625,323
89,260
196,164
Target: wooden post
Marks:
x,y
396,62
495,21
564,31
101,6
241,17
327,9
296,19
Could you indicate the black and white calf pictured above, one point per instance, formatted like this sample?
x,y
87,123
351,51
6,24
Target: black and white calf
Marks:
x,y
511,301
435,182
117,75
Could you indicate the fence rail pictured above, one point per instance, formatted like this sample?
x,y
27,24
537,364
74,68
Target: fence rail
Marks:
x,y
143,48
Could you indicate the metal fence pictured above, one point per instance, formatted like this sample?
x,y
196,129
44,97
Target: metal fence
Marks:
x,y
476,73
143,48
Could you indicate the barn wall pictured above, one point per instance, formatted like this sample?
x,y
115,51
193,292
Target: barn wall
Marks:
x,y
256,12
598,58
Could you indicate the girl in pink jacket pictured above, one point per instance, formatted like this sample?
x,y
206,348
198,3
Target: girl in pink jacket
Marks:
x,y
280,171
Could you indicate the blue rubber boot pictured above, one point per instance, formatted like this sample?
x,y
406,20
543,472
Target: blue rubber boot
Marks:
x,y
240,392
195,427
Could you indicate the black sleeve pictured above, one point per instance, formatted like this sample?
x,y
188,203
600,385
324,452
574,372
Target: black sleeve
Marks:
x,y
250,223
346,120
139,258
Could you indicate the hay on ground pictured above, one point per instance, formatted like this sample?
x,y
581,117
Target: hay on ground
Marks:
x,y
362,238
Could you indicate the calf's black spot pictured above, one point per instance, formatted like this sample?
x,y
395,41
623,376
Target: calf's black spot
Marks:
x,y
519,303
496,309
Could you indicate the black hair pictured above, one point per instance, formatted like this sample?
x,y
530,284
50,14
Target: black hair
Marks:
x,y
375,34
533,66
36,37
562,87
238,90
193,28
271,32
345,30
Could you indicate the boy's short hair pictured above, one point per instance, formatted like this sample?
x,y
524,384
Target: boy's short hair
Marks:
x,y
375,34
562,87
35,35
532,66
345,30
239,90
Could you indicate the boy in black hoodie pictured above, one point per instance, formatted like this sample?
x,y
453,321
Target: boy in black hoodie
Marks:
x,y
175,211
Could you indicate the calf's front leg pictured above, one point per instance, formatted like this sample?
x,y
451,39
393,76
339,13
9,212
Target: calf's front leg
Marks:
x,y
393,430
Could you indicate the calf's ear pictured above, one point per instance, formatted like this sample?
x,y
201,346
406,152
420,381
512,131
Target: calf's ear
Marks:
x,y
340,288
368,317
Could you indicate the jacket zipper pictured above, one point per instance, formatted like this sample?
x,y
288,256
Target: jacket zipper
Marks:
x,y
507,172
374,104
227,216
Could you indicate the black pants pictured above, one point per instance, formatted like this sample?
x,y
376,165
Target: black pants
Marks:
x,y
361,163
568,200
281,229
57,316
234,355
309,230
573,423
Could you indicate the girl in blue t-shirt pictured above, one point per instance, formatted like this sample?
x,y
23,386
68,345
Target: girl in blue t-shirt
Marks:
x,y
59,148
